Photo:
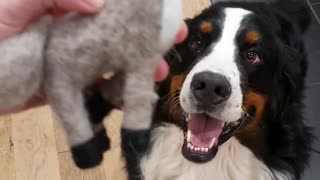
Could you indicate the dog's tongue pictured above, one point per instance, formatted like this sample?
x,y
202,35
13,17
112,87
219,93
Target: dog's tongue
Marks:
x,y
204,129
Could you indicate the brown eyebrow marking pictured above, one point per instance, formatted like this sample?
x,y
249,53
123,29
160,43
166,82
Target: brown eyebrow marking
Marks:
x,y
252,37
206,27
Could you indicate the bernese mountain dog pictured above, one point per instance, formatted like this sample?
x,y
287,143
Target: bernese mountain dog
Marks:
x,y
232,107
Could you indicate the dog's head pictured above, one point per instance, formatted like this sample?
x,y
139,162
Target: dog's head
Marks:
x,y
238,73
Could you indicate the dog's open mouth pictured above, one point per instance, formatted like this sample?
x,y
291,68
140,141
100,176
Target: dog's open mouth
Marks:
x,y
204,135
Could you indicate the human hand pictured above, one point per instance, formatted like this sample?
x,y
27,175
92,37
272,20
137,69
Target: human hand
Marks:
x,y
162,70
16,15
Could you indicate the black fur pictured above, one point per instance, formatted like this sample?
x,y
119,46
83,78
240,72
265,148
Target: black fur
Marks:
x,y
98,108
283,141
180,58
134,145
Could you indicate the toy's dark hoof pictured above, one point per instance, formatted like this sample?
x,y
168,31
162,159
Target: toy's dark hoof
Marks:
x,y
103,140
136,141
87,155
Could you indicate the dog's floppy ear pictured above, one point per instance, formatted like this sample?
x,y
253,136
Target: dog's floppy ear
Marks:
x,y
295,68
294,18
296,12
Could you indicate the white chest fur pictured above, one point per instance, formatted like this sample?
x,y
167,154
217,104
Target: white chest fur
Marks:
x,y
233,161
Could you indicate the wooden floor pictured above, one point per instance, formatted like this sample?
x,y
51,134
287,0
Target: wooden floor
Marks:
x,y
33,147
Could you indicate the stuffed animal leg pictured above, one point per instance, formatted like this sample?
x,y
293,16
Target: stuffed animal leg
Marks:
x,y
128,38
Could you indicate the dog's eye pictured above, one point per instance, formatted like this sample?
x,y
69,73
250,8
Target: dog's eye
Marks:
x,y
253,57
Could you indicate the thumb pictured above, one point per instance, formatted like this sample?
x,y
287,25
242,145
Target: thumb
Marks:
x,y
82,6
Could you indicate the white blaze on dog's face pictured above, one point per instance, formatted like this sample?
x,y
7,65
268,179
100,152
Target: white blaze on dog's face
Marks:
x,y
211,94
221,63
171,22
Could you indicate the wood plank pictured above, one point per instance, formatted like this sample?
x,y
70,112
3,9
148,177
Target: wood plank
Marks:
x,y
113,123
35,148
114,165
7,164
70,172
192,7
61,140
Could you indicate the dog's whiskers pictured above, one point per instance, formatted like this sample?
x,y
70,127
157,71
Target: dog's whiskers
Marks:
x,y
247,114
175,93
175,105
248,84
175,98
176,55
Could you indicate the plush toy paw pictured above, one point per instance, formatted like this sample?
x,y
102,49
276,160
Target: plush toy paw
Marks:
x,y
97,107
135,141
87,155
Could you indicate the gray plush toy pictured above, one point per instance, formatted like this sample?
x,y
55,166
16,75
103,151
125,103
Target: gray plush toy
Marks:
x,y
128,38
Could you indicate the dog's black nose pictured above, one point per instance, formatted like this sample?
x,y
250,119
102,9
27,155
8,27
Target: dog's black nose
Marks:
x,y
210,88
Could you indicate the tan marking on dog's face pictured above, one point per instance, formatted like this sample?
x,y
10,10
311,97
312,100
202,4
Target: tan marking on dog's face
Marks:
x,y
252,37
206,27
258,101
173,97
176,83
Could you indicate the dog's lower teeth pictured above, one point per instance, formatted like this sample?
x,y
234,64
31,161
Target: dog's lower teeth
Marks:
x,y
212,142
206,150
198,149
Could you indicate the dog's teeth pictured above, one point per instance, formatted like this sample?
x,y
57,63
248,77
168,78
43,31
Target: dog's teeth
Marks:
x,y
189,145
212,142
197,149
203,149
189,136
206,150
192,148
